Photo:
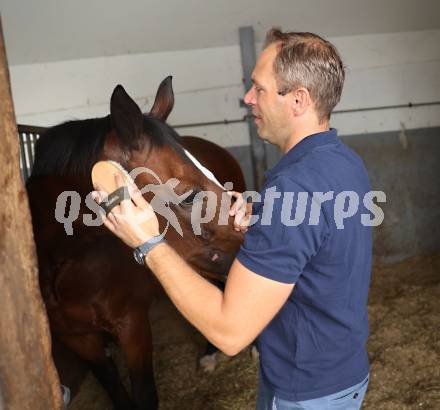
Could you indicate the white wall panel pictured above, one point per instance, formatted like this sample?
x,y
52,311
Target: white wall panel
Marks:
x,y
88,82
386,120
379,50
382,69
233,135
391,85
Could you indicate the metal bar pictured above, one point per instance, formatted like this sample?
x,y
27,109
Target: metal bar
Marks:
x,y
351,110
40,130
388,107
27,153
258,150
27,140
35,138
219,122
29,150
28,136
25,171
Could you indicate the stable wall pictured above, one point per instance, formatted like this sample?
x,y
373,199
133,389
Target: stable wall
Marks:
x,y
399,145
405,165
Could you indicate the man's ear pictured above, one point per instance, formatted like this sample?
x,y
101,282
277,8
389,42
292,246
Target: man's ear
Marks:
x,y
300,100
164,101
126,116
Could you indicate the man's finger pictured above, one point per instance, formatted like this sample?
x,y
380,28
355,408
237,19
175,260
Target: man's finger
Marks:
x,y
98,196
245,223
119,180
238,220
236,206
108,223
111,218
234,194
125,205
99,188
136,196
249,208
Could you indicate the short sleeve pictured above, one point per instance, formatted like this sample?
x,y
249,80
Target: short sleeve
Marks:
x,y
282,241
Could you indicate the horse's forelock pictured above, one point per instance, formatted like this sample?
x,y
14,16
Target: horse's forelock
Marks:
x,y
73,147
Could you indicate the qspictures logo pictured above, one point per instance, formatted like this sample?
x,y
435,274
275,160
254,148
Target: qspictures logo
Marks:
x,y
290,208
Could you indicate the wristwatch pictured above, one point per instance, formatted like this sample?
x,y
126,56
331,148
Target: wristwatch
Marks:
x,y
141,251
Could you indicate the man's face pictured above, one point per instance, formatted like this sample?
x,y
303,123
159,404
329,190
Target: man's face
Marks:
x,y
272,112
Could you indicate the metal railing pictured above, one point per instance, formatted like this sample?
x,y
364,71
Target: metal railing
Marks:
x,y
28,136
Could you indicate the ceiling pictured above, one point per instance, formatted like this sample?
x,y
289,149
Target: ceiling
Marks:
x,y
39,31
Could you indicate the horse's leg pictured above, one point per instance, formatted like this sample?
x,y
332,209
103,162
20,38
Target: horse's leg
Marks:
x,y
208,360
136,343
91,347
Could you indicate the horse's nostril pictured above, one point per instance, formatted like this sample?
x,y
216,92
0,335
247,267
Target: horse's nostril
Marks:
x,y
206,233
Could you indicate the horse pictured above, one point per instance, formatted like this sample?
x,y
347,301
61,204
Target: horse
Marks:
x,y
92,287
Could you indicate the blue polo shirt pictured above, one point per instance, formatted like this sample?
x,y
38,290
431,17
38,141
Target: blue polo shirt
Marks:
x,y
315,345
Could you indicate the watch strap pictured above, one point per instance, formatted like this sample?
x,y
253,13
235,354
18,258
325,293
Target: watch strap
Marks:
x,y
147,246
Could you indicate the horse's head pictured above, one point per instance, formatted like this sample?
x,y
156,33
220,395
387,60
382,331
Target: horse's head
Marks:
x,y
193,205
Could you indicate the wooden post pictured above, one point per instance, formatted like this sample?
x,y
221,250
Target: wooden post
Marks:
x,y
28,380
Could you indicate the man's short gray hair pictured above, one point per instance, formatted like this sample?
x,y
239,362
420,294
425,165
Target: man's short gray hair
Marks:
x,y
307,60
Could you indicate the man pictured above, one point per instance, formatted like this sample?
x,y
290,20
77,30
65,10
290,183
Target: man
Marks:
x,y
299,284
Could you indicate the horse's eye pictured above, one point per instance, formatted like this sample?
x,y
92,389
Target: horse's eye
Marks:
x,y
189,199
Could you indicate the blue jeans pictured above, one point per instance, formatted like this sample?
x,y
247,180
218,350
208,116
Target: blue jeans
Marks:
x,y
348,399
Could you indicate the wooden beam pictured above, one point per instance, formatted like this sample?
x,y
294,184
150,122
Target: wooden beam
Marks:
x,y
28,380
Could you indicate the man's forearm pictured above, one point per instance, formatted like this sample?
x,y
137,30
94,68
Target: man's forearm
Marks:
x,y
200,302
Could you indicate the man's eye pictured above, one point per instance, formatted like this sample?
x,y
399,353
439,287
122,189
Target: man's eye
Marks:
x,y
189,199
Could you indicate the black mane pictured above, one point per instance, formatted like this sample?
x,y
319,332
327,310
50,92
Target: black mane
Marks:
x,y
74,146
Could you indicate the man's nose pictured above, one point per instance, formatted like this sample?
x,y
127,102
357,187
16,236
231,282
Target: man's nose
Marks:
x,y
249,98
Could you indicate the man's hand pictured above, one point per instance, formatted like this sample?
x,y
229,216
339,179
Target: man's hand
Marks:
x,y
133,220
241,211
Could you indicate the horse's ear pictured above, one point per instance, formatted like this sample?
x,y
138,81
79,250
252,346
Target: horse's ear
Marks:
x,y
126,116
164,101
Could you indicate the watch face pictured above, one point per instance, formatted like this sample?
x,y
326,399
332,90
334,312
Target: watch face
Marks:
x,y
138,256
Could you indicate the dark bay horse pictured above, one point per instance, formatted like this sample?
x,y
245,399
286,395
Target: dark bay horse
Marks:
x,y
92,288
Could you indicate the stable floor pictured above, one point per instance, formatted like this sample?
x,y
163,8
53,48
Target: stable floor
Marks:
x,y
404,349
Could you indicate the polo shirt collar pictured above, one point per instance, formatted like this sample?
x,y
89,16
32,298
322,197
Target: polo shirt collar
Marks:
x,y
306,145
